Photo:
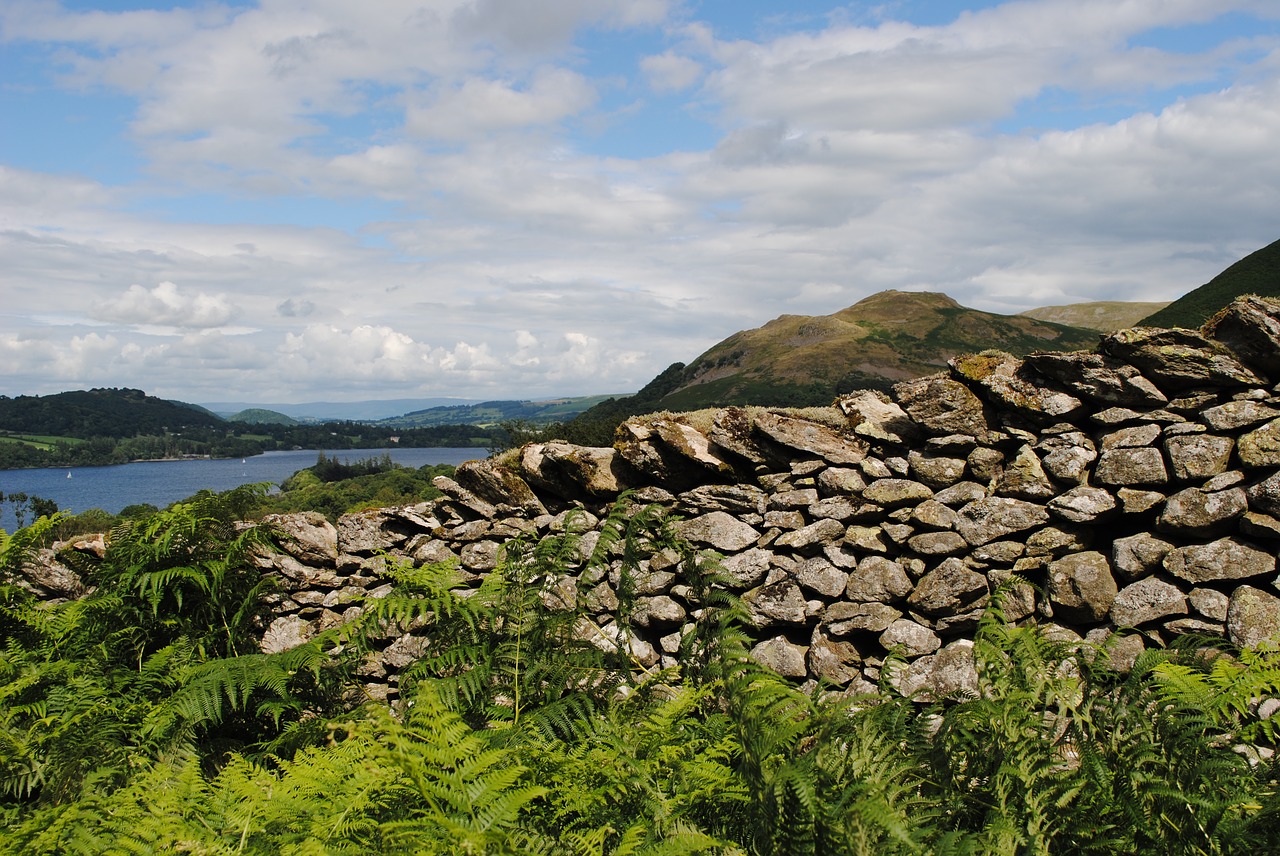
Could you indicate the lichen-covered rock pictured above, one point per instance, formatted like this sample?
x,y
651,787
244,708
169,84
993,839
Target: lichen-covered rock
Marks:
x,y
1261,447
1234,415
836,661
821,577
936,471
781,656
843,618
779,603
1098,378
307,536
1194,512
1250,327
1081,587
1001,377
569,471
1147,600
995,517
1025,478
896,492
1083,504
1131,466
812,437
1198,456
941,406
720,530
873,415
1138,556
1253,617
1178,359
913,639
813,536
498,485
877,579
950,588
1224,559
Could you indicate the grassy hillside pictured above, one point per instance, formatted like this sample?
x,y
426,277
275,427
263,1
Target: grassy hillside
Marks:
x,y
1256,273
888,337
1105,316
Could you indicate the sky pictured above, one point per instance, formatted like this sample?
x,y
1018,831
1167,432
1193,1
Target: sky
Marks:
x,y
324,200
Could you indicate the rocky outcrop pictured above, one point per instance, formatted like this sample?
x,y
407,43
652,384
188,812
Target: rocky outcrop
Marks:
x,y
1135,489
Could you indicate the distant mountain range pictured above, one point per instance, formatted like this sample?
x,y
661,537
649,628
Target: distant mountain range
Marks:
x,y
337,411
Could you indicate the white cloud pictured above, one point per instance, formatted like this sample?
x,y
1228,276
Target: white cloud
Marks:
x,y
482,106
166,306
671,72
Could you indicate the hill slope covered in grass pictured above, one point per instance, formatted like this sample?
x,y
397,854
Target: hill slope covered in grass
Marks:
x,y
1105,316
1256,273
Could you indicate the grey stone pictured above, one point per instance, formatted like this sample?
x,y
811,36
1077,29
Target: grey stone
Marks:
x,y
1130,438
659,610
960,493
781,656
1261,447
936,471
569,471
778,604
498,485
934,515
480,555
812,437
720,530
1081,587
1138,556
1210,603
1264,496
895,493
841,481
914,639
1178,359
1147,600
1224,559
870,539
1131,466
813,536
941,406
937,543
1007,385
877,579
1083,504
995,517
1024,477
1234,415
819,575
1253,617
793,499
1069,464
1059,540
1198,456
947,589
1249,327
835,661
306,536
832,508
1098,378
1257,525
1134,501
746,569
873,415
284,633
844,619
730,498
998,552
985,464
1192,512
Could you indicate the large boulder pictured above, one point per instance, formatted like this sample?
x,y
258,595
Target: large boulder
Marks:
x,y
1178,359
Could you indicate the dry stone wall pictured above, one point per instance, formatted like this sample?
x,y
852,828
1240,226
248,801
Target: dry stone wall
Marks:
x,y
1134,488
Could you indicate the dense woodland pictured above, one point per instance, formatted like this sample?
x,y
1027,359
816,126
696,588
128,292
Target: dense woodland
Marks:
x,y
141,718
115,426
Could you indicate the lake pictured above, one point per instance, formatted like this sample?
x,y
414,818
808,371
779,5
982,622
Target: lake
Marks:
x,y
163,482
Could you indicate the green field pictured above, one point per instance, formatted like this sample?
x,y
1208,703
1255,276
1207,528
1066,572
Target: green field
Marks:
x,y
44,442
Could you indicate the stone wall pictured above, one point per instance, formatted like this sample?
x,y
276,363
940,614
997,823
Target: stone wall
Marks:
x,y
1136,487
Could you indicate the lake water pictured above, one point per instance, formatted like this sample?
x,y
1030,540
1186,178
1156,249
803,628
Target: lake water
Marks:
x,y
163,482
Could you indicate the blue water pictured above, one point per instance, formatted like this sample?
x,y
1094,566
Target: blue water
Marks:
x,y
163,482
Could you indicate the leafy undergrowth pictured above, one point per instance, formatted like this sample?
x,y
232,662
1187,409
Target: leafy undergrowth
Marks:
x,y
141,719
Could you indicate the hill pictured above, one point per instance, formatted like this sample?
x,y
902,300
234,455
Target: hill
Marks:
x,y
1256,273
490,413
338,411
802,360
887,337
113,413
1105,316
262,416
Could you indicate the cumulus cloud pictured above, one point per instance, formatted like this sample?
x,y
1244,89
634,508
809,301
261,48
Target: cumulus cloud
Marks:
x,y
488,236
166,305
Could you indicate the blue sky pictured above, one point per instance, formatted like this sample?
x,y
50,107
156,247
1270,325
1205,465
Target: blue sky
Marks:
x,y
289,201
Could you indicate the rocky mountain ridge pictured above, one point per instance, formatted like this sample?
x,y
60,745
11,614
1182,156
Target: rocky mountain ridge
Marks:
x,y
1124,496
